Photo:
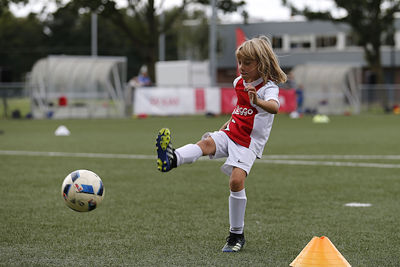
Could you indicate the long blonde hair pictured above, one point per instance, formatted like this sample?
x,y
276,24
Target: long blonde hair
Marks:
x,y
260,50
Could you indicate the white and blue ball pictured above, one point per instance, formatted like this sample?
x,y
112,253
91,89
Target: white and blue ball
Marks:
x,y
82,190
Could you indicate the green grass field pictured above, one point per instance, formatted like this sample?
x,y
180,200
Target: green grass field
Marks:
x,y
180,218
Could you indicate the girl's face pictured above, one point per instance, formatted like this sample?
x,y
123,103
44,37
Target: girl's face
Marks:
x,y
248,69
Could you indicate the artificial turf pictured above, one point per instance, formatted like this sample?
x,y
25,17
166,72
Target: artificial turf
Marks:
x,y
180,218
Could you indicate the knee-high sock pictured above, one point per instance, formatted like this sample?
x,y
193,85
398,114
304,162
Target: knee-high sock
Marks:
x,y
237,208
188,154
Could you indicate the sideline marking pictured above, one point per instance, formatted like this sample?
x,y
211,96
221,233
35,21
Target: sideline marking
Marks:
x,y
356,204
391,157
268,159
73,155
332,163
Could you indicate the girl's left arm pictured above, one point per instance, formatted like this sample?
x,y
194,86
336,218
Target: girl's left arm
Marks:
x,y
270,106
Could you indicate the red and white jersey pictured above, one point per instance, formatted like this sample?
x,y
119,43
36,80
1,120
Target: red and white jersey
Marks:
x,y
250,125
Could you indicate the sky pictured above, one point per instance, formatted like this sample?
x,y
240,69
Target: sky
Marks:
x,y
266,10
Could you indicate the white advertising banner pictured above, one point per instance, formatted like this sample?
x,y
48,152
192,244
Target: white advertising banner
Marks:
x,y
164,101
213,100
176,101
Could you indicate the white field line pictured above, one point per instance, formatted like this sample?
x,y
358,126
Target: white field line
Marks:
x,y
386,157
268,159
332,163
74,155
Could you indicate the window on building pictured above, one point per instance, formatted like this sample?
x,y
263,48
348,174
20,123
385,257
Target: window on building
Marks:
x,y
326,41
277,42
300,41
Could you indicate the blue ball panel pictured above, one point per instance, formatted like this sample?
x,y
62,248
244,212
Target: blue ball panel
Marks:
x,y
87,189
75,175
100,192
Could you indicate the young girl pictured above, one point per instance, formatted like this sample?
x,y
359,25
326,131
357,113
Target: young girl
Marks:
x,y
243,137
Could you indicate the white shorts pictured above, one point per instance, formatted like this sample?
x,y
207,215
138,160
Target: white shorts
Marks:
x,y
237,155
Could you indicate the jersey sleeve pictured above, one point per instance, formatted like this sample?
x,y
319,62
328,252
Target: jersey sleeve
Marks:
x,y
270,92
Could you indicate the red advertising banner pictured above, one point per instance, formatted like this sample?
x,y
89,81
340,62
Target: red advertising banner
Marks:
x,y
228,100
200,100
287,99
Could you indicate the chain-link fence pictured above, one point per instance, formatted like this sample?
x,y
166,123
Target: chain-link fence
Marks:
x,y
15,99
379,97
15,102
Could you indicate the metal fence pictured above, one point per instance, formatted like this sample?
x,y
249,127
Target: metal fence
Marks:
x,y
373,97
10,92
16,89
379,96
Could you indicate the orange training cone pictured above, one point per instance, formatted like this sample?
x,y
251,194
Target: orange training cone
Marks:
x,y
320,252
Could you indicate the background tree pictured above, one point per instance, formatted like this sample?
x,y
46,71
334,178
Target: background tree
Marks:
x,y
132,31
21,44
192,32
371,21
24,40
140,21
69,30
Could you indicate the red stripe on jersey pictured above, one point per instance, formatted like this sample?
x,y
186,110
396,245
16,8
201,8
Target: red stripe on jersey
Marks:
x,y
241,124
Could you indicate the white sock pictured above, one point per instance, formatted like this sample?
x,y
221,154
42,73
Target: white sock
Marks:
x,y
188,154
237,208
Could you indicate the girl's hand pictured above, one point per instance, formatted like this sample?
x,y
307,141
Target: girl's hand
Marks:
x,y
270,106
252,92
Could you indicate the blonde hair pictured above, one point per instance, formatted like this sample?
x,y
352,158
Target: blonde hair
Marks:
x,y
260,50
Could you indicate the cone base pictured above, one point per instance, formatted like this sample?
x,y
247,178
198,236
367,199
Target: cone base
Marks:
x,y
320,252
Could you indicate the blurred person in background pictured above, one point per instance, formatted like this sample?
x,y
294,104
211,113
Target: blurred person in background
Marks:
x,y
142,80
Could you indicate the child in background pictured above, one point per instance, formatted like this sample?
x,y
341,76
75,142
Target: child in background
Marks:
x,y
242,138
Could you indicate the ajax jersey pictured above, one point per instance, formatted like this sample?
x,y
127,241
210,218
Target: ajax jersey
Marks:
x,y
250,125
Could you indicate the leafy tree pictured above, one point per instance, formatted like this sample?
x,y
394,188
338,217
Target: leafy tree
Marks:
x,y
140,21
69,33
192,34
371,21
131,31
21,43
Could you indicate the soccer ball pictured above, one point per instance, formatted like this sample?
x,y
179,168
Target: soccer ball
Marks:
x,y
82,190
